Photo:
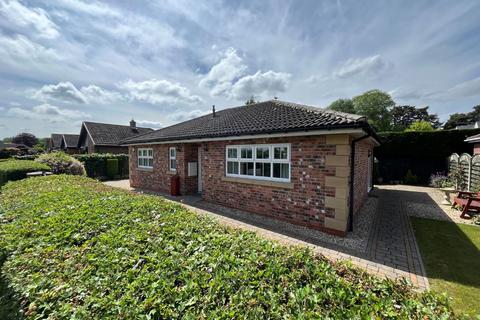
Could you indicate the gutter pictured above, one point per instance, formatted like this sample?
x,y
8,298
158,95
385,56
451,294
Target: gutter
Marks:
x,y
352,179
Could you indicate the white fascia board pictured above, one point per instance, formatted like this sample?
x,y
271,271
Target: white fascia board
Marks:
x,y
257,136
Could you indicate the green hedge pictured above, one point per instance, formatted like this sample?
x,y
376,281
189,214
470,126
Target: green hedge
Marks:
x,y
424,153
112,168
88,251
96,164
11,170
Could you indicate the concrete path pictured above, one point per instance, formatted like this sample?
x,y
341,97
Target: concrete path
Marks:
x,y
391,251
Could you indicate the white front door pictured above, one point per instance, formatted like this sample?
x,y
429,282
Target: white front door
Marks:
x,y
199,169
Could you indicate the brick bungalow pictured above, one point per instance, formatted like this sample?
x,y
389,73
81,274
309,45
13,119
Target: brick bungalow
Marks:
x,y
106,138
69,143
288,161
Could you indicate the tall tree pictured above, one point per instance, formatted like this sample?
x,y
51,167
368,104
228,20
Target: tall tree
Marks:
x,y
251,100
376,106
404,116
25,138
456,119
343,105
420,126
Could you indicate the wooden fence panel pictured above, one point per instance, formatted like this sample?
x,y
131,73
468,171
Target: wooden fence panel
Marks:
x,y
465,163
475,174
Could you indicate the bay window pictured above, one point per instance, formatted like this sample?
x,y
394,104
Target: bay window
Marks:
x,y
263,162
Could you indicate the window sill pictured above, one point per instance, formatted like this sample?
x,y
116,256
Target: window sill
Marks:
x,y
171,172
145,169
266,183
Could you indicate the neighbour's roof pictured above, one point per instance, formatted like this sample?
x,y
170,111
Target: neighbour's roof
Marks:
x,y
272,116
56,139
472,139
111,134
71,140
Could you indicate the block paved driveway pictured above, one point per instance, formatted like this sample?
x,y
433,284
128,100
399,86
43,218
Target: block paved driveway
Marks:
x,y
391,249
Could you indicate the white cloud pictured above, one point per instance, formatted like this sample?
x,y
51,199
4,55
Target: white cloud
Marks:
x,y
149,124
365,67
67,92
221,76
406,94
469,88
91,8
15,15
264,84
186,115
160,91
99,95
19,50
47,112
63,91
228,78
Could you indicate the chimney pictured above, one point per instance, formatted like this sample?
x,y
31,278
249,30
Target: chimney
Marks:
x,y
133,124
213,110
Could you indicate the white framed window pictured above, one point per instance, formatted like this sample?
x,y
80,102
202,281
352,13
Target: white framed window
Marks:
x,y
260,161
172,158
145,158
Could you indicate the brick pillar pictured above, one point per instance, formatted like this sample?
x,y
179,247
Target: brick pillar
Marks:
x,y
340,181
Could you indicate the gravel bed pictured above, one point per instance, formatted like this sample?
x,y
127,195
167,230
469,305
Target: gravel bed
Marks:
x,y
355,241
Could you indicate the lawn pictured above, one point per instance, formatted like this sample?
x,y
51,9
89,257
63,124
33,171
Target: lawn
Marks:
x,y
451,255
77,249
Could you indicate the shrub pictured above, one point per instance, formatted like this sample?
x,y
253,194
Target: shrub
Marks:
x,y
96,164
112,168
60,162
410,178
17,169
87,251
440,180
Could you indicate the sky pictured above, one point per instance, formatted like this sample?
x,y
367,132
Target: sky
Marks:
x,y
162,62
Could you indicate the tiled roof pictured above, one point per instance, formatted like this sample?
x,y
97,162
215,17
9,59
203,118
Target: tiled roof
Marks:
x,y
56,139
71,140
273,116
112,134
475,138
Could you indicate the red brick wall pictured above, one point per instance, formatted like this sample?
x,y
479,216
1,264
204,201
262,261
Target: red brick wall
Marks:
x,y
158,178
301,202
476,148
303,205
360,185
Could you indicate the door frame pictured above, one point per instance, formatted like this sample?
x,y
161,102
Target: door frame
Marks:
x,y
199,171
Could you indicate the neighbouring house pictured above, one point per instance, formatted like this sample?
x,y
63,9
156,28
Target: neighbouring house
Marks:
x,y
464,126
106,138
55,141
296,163
475,140
69,143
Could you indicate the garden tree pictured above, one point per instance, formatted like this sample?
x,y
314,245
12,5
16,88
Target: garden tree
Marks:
x,y
25,138
343,105
420,126
376,106
251,100
404,116
462,118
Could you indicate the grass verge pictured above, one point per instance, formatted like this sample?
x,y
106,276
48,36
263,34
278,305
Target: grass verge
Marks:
x,y
77,249
451,255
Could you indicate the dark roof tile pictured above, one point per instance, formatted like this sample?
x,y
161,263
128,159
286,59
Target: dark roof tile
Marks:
x,y
273,116
112,134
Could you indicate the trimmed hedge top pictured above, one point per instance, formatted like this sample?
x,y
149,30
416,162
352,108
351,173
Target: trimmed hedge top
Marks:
x,y
441,143
79,249
17,169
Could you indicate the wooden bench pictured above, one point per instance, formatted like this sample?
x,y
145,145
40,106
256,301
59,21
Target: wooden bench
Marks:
x,y
467,201
38,174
